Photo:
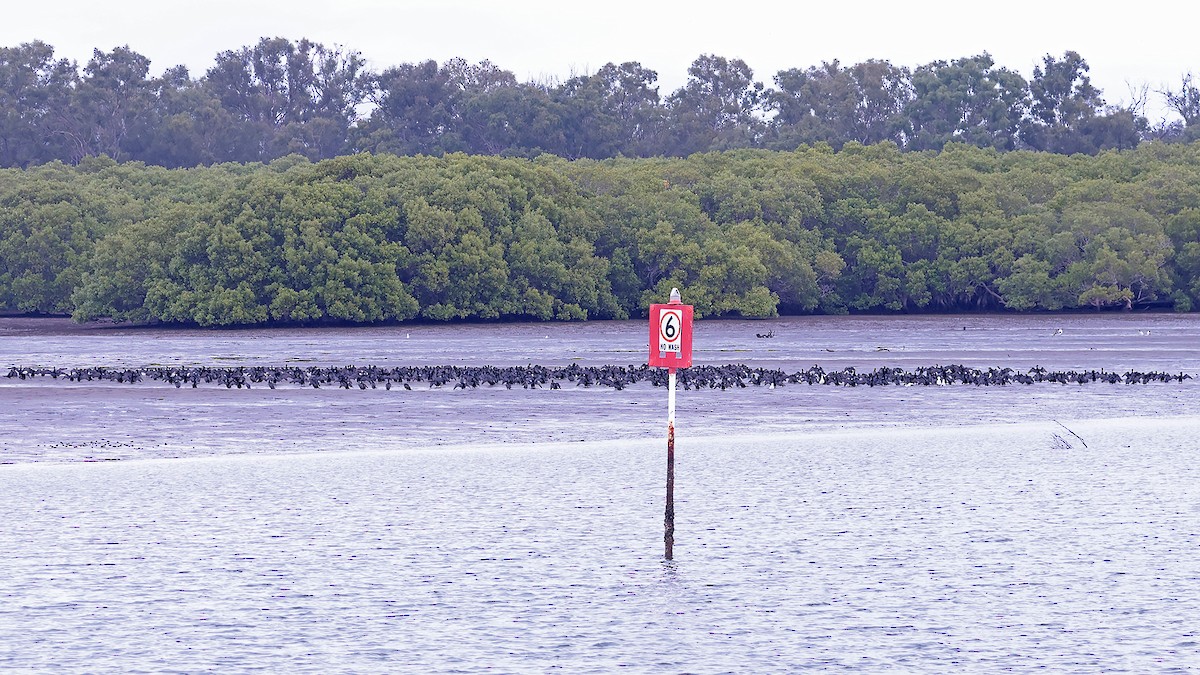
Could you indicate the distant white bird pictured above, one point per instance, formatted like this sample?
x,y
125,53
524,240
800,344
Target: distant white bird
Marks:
x,y
1143,332
1058,332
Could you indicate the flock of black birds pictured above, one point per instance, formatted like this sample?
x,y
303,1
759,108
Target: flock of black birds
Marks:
x,y
731,376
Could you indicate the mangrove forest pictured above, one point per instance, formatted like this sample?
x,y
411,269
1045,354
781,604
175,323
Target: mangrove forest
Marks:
x,y
755,233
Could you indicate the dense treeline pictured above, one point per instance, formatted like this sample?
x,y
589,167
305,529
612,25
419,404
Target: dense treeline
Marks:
x,y
266,101
368,238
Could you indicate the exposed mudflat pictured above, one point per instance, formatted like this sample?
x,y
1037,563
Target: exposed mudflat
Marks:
x,y
43,419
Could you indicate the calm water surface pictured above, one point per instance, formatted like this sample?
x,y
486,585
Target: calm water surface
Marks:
x,y
899,528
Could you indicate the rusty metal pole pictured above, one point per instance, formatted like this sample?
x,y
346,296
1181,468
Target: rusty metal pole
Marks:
x,y
669,521
670,348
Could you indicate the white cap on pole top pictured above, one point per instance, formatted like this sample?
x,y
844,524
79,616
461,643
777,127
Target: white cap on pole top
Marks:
x,y
675,296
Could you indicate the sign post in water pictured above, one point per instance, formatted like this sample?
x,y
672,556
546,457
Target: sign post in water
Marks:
x,y
670,348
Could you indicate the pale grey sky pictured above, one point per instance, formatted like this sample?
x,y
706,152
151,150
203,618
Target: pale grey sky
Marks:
x,y
1150,44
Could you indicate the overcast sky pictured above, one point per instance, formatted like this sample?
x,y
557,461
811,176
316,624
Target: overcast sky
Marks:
x,y
1150,45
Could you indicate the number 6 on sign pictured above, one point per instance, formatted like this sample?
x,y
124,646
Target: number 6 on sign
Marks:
x,y
670,335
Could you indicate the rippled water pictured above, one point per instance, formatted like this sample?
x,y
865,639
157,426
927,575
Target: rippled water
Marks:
x,y
914,529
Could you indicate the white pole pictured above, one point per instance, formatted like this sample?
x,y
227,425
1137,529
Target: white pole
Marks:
x,y
671,397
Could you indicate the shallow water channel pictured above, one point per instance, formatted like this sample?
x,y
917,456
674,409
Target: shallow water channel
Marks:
x,y
435,530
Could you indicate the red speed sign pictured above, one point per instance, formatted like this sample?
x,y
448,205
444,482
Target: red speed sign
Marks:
x,y
671,335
